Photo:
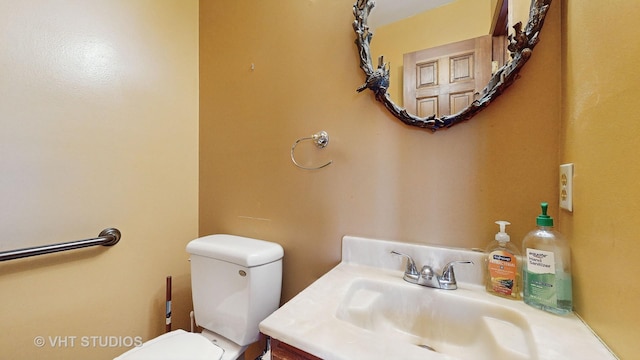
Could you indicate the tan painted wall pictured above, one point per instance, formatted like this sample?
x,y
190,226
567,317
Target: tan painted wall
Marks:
x,y
600,130
387,180
99,119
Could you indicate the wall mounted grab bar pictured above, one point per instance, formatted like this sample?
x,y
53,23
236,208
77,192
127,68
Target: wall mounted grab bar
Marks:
x,y
107,237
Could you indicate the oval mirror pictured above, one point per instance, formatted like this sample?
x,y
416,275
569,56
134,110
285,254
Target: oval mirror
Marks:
x,y
440,86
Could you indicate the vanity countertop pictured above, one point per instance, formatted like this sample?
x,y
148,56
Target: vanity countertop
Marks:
x,y
309,321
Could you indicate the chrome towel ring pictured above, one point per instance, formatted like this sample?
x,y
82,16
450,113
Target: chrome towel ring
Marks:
x,y
321,139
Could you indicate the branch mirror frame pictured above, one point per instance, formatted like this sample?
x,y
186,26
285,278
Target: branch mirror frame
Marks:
x,y
521,44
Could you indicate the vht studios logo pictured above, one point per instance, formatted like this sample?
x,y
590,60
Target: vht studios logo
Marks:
x,y
70,341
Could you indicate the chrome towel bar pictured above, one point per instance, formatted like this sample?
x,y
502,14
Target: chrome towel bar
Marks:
x,y
321,140
107,237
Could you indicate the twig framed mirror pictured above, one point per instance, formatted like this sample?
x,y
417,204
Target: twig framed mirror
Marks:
x,y
519,47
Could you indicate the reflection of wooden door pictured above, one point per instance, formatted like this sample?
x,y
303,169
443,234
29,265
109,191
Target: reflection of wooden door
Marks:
x,y
446,79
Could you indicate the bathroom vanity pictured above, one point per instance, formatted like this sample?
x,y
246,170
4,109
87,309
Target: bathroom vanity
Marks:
x,y
363,309
283,351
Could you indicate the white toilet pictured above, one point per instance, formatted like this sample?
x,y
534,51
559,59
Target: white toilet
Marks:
x,y
235,284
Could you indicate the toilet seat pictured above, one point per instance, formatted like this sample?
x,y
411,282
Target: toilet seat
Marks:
x,y
175,345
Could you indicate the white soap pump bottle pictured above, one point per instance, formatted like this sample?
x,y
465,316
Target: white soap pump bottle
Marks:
x,y
503,266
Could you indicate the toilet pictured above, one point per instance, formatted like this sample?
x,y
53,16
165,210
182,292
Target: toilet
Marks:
x,y
235,283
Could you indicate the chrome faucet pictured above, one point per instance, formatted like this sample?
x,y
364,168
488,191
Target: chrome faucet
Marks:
x,y
428,277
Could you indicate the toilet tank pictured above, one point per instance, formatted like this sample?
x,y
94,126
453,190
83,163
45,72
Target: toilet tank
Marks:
x,y
236,283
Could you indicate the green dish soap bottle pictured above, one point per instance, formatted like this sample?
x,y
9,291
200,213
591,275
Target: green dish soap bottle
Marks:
x,y
547,267
503,266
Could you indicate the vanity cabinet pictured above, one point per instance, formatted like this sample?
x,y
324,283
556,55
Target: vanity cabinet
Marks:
x,y
284,351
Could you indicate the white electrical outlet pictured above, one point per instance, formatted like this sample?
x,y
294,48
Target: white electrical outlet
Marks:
x,y
566,187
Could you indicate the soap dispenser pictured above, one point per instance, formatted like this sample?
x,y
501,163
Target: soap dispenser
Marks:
x,y
503,266
547,267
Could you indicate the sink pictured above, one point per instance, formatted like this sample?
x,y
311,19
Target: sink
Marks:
x,y
446,322
363,309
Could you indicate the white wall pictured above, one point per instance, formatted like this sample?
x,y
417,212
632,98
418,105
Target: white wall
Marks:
x,y
98,128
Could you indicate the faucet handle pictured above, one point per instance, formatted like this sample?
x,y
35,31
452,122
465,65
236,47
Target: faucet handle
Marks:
x,y
411,271
448,278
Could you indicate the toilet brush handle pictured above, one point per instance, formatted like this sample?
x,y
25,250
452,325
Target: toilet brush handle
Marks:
x,y
168,306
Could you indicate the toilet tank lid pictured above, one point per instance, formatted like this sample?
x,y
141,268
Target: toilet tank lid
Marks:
x,y
235,249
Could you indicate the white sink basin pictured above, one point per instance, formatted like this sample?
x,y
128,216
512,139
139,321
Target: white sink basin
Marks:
x,y
363,309
443,321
